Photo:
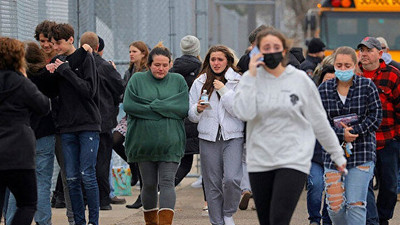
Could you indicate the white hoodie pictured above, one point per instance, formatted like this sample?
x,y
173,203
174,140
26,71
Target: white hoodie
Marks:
x,y
220,112
283,113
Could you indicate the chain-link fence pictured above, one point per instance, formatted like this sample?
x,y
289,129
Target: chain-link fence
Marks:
x,y
118,22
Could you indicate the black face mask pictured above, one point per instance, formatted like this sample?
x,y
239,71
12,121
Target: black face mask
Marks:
x,y
272,60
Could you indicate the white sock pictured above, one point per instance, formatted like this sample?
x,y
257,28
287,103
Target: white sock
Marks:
x,y
229,220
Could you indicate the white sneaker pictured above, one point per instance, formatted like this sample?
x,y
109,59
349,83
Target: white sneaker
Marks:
x,y
197,183
205,211
229,220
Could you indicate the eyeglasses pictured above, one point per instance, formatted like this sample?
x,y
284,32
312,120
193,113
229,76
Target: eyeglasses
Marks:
x,y
383,47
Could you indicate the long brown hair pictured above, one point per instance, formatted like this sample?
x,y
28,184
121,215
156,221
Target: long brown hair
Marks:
x,y
143,62
206,68
35,58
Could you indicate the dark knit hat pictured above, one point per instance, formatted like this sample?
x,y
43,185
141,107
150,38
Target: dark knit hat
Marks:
x,y
190,45
101,44
316,45
370,42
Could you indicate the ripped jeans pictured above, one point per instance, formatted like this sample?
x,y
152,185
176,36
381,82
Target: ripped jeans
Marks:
x,y
80,156
346,196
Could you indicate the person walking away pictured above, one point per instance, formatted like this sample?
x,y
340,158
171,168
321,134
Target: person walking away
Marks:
x,y
111,89
19,98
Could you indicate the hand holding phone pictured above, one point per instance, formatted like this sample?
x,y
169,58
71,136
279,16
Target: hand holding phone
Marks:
x,y
255,51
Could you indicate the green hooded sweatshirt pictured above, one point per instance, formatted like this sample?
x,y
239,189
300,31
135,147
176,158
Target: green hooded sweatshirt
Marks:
x,y
156,109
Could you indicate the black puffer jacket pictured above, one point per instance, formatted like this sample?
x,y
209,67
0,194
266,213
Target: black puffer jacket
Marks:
x,y
19,97
189,67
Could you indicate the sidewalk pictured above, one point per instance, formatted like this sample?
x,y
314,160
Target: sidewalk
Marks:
x,y
188,209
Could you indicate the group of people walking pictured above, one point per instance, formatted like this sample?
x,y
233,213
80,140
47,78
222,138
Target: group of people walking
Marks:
x,y
177,108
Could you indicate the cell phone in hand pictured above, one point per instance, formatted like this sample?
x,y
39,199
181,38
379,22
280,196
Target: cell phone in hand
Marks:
x,y
204,103
254,52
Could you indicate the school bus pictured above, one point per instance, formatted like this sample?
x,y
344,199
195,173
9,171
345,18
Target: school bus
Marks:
x,y
347,22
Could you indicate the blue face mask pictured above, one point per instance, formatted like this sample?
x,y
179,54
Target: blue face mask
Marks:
x,y
344,75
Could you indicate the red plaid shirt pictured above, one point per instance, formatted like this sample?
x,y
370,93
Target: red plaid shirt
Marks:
x,y
387,80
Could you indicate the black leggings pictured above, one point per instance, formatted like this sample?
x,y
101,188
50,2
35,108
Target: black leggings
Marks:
x,y
276,194
184,168
22,184
118,146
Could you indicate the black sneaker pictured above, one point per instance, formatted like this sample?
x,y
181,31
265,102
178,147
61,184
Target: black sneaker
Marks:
x,y
106,207
136,205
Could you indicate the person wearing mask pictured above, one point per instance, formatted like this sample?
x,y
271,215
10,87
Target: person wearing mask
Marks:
x,y
387,80
138,54
220,133
315,180
111,89
19,99
354,111
315,54
386,55
284,113
156,103
78,119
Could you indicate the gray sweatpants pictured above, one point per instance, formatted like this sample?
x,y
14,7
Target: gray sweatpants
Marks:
x,y
162,175
221,167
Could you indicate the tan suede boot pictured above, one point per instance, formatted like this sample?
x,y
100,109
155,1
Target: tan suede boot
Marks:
x,y
151,217
165,216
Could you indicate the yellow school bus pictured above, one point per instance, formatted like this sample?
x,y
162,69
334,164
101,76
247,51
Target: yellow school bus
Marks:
x,y
347,22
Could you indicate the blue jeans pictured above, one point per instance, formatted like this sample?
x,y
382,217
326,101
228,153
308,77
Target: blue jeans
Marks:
x,y
44,171
398,182
316,186
80,155
387,169
347,196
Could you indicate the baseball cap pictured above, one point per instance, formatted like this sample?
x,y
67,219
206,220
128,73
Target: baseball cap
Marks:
x,y
370,42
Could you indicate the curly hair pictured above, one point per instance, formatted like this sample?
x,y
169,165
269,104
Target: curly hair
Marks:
x,y
206,68
12,54
44,28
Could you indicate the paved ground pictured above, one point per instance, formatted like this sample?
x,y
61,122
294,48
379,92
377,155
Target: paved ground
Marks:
x,y
188,211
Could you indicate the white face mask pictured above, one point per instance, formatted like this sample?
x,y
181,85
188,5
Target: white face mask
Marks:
x,y
387,57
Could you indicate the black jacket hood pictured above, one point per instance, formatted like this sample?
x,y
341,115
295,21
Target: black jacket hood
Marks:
x,y
9,82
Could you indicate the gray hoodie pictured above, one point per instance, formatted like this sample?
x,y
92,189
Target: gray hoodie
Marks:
x,y
283,114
